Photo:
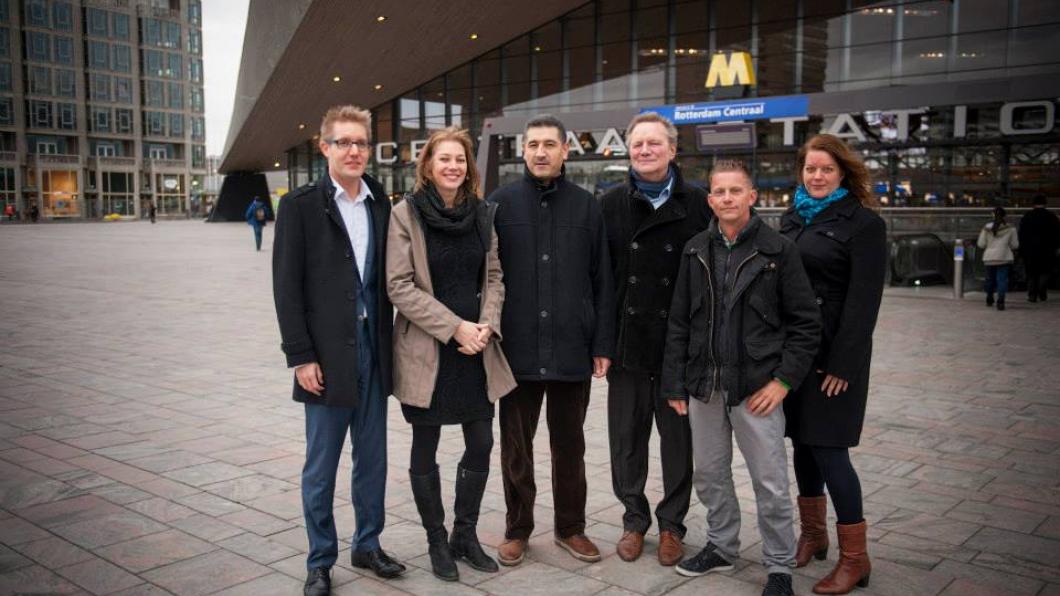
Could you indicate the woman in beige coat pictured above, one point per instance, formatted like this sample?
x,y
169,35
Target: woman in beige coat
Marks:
x,y
444,279
997,239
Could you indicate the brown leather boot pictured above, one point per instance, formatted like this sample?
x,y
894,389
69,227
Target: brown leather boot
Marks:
x,y
813,539
630,546
853,568
511,551
671,550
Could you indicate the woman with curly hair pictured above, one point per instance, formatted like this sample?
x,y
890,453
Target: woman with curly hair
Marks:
x,y
843,245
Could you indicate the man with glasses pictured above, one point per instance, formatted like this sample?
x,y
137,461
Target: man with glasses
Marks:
x,y
336,324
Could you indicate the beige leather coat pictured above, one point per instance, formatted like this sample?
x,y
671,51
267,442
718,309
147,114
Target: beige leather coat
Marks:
x,y
422,321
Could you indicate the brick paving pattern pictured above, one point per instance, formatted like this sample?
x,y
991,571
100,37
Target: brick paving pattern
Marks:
x,y
148,444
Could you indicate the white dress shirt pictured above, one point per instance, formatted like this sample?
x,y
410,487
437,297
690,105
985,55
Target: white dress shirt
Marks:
x,y
354,213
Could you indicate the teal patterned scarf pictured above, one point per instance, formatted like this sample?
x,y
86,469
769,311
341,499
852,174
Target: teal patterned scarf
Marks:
x,y
808,207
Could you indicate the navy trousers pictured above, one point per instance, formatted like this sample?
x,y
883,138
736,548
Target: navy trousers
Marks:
x,y
325,430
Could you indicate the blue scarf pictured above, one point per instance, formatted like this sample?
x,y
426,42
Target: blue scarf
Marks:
x,y
808,207
652,190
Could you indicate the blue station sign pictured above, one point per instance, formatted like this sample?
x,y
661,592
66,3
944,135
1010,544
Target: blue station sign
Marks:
x,y
729,111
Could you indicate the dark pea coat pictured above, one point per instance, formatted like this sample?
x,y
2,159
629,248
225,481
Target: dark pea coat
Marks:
x,y
844,251
558,300
645,245
315,287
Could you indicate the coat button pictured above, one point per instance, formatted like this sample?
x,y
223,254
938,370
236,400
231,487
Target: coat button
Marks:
x,y
544,204
830,234
478,294
544,257
544,314
663,314
819,301
542,370
632,279
668,248
631,311
634,245
665,281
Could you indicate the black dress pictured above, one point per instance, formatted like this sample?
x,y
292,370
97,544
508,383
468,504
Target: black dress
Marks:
x,y
455,262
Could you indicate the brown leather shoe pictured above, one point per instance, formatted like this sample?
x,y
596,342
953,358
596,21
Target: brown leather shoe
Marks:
x,y
671,551
853,568
580,547
630,546
511,552
813,537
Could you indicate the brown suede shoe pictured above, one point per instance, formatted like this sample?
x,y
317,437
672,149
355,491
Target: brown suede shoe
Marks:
x,y
671,551
511,552
630,546
580,547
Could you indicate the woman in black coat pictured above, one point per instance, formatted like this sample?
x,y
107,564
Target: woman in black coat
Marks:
x,y
843,246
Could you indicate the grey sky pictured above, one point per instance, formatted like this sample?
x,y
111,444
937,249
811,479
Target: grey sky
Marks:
x,y
224,22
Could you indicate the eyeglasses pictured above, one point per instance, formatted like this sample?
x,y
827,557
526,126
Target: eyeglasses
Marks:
x,y
346,144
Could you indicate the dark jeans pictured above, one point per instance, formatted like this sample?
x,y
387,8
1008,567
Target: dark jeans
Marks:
x,y
257,236
816,467
997,279
565,415
325,429
632,402
1038,271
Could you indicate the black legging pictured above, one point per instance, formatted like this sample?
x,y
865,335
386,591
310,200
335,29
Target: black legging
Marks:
x,y
478,443
817,466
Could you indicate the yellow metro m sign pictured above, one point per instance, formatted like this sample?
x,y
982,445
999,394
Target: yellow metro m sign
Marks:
x,y
737,70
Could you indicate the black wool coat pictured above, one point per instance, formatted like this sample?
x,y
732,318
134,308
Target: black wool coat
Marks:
x,y
844,250
1039,235
645,245
315,288
558,303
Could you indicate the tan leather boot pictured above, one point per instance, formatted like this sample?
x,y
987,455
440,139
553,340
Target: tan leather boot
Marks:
x,y
853,568
813,538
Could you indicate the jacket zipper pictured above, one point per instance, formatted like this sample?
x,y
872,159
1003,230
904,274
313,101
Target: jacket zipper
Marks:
x,y
710,340
736,277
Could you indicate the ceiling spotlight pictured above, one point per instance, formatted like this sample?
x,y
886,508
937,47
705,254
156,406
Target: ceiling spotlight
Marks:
x,y
336,78
377,86
301,126
473,36
380,18
275,164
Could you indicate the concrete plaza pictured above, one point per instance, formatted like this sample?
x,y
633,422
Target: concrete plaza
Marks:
x,y
148,444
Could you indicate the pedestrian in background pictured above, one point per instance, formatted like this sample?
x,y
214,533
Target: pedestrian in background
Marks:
x,y
843,244
648,220
1039,238
34,213
742,332
998,240
444,279
558,323
151,211
256,218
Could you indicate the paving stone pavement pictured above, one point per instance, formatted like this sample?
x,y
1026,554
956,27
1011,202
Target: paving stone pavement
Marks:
x,y
148,444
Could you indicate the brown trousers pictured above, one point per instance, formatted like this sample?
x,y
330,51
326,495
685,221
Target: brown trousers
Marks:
x,y
565,414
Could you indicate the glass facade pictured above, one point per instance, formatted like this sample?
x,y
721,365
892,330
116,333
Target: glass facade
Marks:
x,y
621,54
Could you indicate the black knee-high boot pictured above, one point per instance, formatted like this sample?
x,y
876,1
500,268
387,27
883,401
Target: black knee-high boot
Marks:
x,y
464,542
427,490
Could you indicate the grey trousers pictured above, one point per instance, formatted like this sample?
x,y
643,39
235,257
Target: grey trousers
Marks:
x,y
761,440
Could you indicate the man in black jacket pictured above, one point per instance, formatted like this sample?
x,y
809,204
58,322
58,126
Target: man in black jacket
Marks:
x,y
1039,236
743,331
336,325
557,324
648,219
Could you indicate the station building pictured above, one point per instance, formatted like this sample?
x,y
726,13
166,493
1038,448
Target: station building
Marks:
x,y
952,103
